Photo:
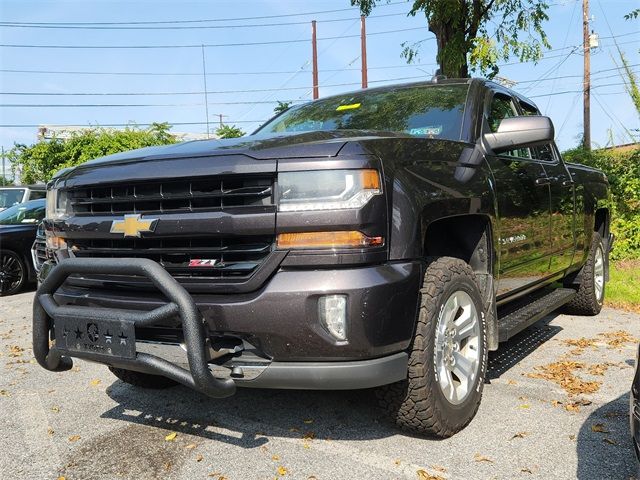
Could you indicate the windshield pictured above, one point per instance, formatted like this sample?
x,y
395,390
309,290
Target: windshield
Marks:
x,y
29,212
432,111
10,196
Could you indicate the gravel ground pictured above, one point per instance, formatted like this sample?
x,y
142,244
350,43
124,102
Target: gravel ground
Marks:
x,y
87,424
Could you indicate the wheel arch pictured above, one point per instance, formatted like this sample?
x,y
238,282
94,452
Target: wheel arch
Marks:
x,y
469,237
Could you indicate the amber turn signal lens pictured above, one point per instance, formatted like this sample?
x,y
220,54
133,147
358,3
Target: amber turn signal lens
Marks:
x,y
348,239
370,179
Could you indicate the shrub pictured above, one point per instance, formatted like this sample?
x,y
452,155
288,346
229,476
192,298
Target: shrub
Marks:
x,y
622,168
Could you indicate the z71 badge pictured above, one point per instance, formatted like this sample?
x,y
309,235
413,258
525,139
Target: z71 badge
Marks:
x,y
207,262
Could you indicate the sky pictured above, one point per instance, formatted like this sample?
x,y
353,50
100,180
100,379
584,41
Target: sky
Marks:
x,y
267,71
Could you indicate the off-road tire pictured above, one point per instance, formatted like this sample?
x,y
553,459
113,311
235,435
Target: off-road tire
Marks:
x,y
586,300
417,403
142,380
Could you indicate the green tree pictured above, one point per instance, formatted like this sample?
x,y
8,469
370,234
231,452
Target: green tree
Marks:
x,y
229,131
281,107
477,33
40,161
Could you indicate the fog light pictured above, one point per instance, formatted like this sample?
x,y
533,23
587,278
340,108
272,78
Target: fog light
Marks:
x,y
332,310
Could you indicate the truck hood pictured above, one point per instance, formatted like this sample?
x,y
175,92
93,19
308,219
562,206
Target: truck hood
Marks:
x,y
251,154
260,147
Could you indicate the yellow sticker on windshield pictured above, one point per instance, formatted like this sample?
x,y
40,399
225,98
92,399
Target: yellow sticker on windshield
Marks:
x,y
351,106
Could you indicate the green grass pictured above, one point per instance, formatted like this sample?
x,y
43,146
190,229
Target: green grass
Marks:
x,y
623,289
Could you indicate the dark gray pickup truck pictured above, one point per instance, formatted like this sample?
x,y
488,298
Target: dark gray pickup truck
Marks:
x,y
382,238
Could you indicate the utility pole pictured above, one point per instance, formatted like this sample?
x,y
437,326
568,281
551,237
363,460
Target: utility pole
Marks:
x,y
206,97
4,173
220,117
363,49
587,75
314,50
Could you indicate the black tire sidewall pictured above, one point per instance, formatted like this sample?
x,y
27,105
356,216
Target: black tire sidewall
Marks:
x,y
462,413
23,278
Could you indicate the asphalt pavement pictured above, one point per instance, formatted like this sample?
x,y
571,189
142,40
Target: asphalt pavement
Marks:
x,y
568,420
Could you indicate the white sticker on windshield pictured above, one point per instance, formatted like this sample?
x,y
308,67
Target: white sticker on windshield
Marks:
x,y
432,130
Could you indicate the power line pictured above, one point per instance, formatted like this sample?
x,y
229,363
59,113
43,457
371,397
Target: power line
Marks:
x,y
574,91
195,74
183,27
75,125
164,22
265,102
211,45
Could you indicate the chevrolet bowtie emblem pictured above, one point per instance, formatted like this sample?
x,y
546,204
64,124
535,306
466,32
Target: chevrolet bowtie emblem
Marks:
x,y
133,225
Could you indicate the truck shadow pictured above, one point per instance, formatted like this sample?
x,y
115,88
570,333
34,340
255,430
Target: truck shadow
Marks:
x,y
520,346
251,416
610,450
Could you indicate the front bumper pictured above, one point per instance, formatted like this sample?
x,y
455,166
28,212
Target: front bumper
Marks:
x,y
284,344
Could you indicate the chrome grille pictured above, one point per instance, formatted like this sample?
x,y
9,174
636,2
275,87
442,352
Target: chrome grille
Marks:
x,y
173,196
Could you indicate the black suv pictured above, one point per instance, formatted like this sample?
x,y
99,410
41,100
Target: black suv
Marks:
x,y
382,238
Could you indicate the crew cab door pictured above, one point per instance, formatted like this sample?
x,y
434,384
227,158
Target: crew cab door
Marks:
x,y
522,192
562,201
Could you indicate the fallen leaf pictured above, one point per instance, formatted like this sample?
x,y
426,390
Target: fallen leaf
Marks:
x,y
275,457
50,431
511,382
520,435
55,409
282,471
563,373
15,351
609,441
572,437
191,446
62,478
308,421
397,462
424,475
598,428
171,437
309,436
306,445
74,438
556,403
167,466
524,406
480,458
618,338
598,369
199,458
439,468
615,414
95,382
526,470
293,430
4,393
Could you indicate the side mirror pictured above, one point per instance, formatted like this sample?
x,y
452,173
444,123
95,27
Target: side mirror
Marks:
x,y
516,132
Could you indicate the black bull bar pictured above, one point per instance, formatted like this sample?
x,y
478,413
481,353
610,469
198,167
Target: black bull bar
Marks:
x,y
46,310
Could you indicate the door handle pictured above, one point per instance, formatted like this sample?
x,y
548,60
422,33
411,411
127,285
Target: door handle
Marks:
x,y
567,183
542,181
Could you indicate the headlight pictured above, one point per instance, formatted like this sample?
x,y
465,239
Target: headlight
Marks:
x,y
327,189
56,204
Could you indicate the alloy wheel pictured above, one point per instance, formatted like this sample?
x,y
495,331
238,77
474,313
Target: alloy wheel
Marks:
x,y
457,352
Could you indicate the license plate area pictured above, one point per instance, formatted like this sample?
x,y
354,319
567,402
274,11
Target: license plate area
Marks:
x,y
110,338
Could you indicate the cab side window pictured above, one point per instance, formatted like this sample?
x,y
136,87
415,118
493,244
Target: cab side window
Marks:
x,y
502,107
544,152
